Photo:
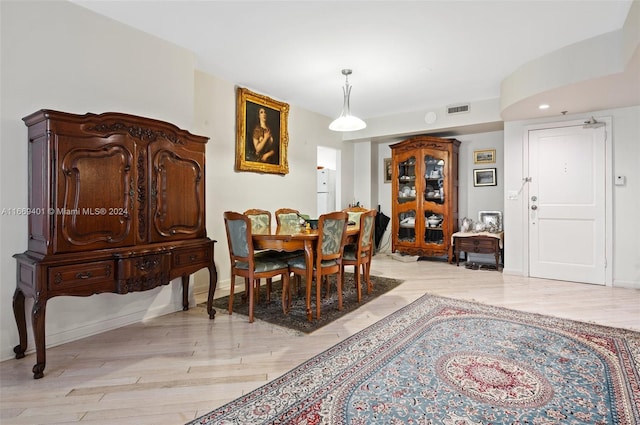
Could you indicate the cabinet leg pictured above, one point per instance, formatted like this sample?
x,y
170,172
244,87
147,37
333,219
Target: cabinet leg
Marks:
x,y
19,314
213,281
185,292
37,318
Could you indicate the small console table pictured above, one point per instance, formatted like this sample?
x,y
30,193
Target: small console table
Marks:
x,y
481,242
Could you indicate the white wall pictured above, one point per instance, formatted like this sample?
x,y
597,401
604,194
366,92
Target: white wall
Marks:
x,y
484,198
624,135
61,56
229,190
384,194
327,158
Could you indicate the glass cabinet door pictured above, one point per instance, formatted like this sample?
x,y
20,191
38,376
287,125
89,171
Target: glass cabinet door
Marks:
x,y
407,180
434,190
407,198
433,230
407,228
434,197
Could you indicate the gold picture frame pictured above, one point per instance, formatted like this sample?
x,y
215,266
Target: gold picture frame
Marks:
x,y
262,135
388,171
485,156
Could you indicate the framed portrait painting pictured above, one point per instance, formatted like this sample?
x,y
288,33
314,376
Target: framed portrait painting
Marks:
x,y
261,133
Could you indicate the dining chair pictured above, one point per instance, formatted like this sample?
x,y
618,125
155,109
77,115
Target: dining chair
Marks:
x,y
359,254
287,217
260,220
260,223
332,235
354,213
245,263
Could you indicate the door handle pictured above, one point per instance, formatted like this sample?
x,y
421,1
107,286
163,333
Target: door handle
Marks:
x,y
534,207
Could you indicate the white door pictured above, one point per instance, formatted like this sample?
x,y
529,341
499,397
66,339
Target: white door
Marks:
x,y
567,204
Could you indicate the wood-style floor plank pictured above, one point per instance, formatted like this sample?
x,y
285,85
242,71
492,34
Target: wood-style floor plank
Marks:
x,y
172,369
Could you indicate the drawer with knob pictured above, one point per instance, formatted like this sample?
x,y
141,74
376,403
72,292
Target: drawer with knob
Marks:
x,y
479,245
89,278
190,257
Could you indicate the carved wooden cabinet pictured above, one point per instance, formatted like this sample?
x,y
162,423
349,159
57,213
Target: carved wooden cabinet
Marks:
x,y
116,204
424,195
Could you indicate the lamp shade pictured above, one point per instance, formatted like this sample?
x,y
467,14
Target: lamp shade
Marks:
x,y
347,123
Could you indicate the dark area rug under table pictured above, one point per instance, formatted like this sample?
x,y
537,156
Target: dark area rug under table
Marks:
x,y
297,319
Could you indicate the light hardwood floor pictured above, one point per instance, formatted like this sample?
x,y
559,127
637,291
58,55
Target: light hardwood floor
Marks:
x,y
172,369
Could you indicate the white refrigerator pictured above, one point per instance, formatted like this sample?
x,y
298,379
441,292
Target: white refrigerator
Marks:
x,y
326,191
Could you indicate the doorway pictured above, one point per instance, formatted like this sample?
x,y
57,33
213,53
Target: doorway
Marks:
x,y
567,202
330,159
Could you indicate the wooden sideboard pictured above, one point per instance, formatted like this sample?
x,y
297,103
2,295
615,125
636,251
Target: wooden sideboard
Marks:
x,y
116,204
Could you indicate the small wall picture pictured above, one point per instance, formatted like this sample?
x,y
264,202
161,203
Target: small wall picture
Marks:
x,y
484,177
491,219
486,156
387,170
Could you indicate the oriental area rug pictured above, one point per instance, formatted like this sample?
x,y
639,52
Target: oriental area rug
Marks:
x,y
297,319
445,361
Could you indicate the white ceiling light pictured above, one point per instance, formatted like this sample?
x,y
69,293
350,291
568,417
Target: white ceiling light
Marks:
x,y
346,121
543,106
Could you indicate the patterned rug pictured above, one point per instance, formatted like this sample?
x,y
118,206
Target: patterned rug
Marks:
x,y
444,361
297,319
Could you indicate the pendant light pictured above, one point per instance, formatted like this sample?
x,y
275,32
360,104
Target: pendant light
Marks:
x,y
346,121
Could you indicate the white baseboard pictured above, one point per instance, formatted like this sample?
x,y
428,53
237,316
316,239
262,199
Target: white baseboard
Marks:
x,y
98,327
626,284
516,272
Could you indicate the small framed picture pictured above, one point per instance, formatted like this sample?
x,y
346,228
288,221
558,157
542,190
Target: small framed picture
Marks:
x,y
486,156
387,170
491,219
484,177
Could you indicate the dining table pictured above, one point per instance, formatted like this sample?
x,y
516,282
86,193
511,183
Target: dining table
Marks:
x,y
298,238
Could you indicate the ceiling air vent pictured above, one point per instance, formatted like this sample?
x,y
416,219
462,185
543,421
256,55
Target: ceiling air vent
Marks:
x,y
458,109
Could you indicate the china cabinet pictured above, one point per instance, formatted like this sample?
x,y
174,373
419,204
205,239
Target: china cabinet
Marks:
x,y
116,204
424,195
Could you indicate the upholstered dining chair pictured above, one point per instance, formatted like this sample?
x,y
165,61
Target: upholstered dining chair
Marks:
x,y
260,223
245,263
354,213
359,254
332,235
260,220
287,217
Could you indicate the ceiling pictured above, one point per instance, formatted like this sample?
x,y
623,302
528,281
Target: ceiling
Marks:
x,y
405,55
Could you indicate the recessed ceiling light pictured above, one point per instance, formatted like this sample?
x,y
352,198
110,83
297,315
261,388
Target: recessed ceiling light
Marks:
x,y
543,106
430,117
